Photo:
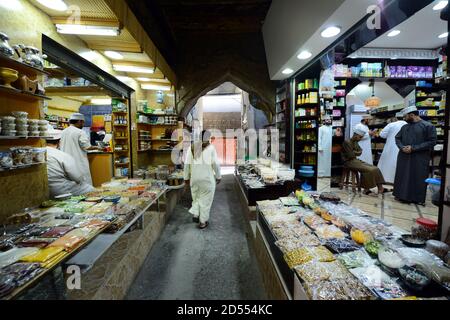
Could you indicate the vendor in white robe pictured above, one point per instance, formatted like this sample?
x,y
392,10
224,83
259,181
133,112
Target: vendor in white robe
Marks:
x,y
202,173
63,174
388,159
325,148
366,141
75,142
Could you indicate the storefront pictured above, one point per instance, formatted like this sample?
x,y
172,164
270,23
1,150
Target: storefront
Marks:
x,y
48,74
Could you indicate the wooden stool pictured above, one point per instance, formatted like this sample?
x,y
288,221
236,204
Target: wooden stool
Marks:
x,y
355,181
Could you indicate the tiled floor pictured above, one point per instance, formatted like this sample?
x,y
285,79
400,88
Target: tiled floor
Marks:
x,y
385,207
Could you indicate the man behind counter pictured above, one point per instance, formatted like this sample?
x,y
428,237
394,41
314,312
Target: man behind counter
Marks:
x,y
63,174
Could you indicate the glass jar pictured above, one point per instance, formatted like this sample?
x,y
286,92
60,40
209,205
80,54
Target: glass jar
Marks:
x,y
425,229
162,173
33,57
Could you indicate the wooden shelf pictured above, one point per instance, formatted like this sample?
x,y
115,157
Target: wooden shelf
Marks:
x,y
122,164
307,104
307,117
21,67
60,73
120,138
120,112
145,150
158,125
22,95
76,91
120,125
21,138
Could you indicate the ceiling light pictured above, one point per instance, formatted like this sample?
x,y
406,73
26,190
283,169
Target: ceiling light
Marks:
x,y
440,5
11,5
87,30
155,87
394,33
101,102
444,35
58,5
288,71
143,79
331,32
304,55
132,69
89,55
113,55
123,79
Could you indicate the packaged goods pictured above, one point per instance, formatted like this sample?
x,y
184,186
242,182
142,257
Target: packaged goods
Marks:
x,y
437,248
329,232
355,259
341,245
319,271
306,254
289,244
348,289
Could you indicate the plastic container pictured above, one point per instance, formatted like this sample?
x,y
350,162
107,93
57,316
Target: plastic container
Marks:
x,y
42,122
425,229
437,248
414,279
22,133
43,134
39,155
42,128
9,133
20,114
33,122
7,119
32,128
306,173
9,126
20,121
6,160
33,133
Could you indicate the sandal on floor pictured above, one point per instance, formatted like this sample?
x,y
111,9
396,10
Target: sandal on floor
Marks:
x,y
386,191
203,225
195,219
368,193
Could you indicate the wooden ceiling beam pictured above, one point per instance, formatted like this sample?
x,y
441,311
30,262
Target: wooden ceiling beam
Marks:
x,y
115,45
87,22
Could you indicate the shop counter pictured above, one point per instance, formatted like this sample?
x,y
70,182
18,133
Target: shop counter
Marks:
x,y
269,192
101,165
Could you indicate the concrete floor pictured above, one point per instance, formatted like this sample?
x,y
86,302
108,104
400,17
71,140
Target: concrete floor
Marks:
x,y
191,264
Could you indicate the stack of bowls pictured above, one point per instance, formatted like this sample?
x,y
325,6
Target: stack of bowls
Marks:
x,y
306,171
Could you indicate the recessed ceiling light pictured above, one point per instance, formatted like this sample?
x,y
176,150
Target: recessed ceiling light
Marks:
x,y
133,69
287,71
304,55
144,79
331,32
57,5
101,102
113,55
123,79
394,33
440,5
87,30
444,35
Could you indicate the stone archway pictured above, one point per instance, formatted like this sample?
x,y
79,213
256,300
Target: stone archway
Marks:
x,y
186,102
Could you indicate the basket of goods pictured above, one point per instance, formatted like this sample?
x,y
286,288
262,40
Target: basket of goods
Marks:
x,y
330,197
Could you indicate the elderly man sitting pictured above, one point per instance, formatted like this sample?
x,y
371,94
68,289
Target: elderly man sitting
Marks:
x,y
371,175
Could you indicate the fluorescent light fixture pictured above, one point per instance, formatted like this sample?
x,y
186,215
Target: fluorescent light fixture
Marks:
x,y
155,87
394,33
444,35
79,29
123,79
89,55
287,71
58,5
331,32
304,55
440,5
101,102
113,55
132,69
143,79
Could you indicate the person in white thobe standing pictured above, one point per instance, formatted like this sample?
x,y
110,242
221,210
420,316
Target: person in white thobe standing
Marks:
x,y
75,142
202,173
325,148
388,159
63,174
366,141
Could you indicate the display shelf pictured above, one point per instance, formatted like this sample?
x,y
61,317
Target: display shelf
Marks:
x,y
22,95
76,91
23,166
122,164
310,104
120,112
120,138
307,90
120,125
145,150
21,66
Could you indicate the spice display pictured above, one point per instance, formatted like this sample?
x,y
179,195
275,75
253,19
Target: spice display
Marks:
x,y
341,245
425,229
356,259
412,241
372,247
314,221
14,255
414,278
329,232
347,289
303,255
329,196
320,271
17,275
379,282
360,237
295,231
289,244
390,258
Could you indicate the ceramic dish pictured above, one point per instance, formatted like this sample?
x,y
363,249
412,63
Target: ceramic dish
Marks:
x,y
412,241
414,278
113,199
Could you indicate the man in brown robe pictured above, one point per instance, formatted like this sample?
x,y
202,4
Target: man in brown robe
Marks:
x,y
371,175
